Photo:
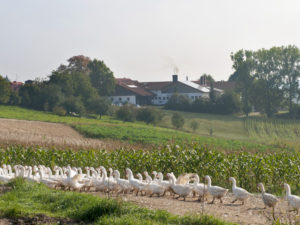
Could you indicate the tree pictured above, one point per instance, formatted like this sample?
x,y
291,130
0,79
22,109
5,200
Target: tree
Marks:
x,y
194,125
208,78
177,120
178,102
243,63
290,72
99,105
126,113
269,85
149,115
4,90
212,94
102,78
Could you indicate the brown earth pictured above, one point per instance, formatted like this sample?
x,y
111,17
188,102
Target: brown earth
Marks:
x,y
51,134
252,212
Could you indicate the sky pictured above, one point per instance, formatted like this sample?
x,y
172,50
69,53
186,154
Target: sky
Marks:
x,y
145,40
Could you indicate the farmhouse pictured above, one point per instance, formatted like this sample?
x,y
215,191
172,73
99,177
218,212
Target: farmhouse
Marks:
x,y
130,91
157,93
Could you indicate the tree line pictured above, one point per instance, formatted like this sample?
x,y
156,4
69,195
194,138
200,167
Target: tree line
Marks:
x,y
77,88
267,80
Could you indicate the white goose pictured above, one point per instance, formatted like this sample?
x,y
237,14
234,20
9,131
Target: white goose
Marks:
x,y
123,184
180,189
293,200
268,199
239,193
136,184
199,188
216,191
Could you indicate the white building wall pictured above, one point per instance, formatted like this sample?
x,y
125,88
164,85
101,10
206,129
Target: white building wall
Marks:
x,y
117,100
163,98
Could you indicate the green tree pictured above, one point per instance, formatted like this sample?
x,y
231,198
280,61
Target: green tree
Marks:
x,y
243,64
5,90
99,105
177,120
102,78
212,94
269,86
178,102
290,72
126,113
194,125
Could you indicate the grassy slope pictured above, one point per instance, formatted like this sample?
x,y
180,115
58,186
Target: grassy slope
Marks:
x,y
27,199
231,127
228,130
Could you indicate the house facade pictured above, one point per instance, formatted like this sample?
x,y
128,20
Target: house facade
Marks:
x,y
164,90
131,92
157,93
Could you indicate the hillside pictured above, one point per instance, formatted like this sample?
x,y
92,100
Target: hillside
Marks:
x,y
229,132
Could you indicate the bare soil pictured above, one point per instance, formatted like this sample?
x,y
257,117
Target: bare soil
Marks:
x,y
50,134
252,212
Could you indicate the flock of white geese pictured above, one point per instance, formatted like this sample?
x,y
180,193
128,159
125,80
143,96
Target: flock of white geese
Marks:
x,y
96,179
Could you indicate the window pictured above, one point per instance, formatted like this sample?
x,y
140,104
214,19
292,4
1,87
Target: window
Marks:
x,y
192,97
164,98
159,98
120,99
128,99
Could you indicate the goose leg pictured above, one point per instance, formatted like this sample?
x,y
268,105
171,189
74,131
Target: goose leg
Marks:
x,y
212,202
234,201
221,200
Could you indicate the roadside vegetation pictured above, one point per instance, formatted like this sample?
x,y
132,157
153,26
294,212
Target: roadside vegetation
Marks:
x,y
27,200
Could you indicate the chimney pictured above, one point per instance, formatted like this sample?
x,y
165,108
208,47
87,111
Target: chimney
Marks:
x,y
175,78
187,78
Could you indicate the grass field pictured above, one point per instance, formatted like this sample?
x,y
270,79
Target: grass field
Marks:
x,y
229,132
27,199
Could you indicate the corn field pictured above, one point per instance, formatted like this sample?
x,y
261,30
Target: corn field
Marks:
x,y
273,129
249,169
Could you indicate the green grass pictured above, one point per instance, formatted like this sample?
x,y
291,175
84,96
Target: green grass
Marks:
x,y
229,132
27,199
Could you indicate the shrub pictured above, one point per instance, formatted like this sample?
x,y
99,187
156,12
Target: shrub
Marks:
x,y
58,110
177,120
194,125
149,115
126,113
178,102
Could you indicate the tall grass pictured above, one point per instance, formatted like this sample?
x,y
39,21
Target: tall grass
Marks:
x,y
273,129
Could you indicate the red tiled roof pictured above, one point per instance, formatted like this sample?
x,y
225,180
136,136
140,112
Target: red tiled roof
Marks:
x,y
156,85
133,86
223,85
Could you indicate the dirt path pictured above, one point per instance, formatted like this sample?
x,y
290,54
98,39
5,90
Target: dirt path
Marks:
x,y
250,213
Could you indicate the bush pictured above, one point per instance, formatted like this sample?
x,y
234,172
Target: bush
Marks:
x,y
74,105
295,111
178,102
149,115
194,125
126,113
58,110
177,120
